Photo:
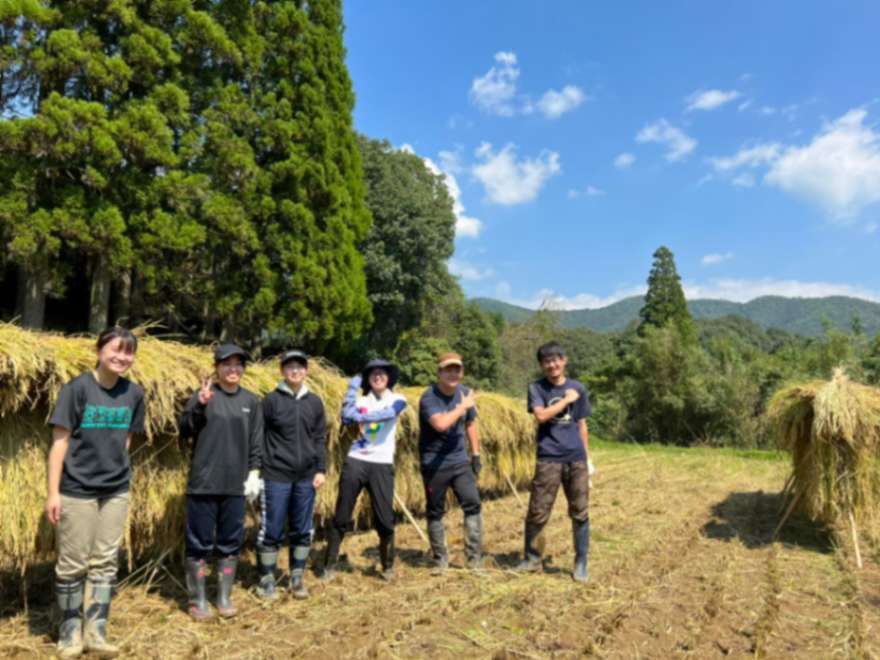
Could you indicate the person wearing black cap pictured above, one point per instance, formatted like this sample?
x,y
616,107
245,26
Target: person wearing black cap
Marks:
x,y
371,403
226,426
293,467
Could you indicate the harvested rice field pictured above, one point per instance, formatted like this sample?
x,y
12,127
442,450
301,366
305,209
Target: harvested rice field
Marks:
x,y
683,564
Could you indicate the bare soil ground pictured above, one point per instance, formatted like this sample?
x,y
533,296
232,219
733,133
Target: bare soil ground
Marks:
x,y
682,564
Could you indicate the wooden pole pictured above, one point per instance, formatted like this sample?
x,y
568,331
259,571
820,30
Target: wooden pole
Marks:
x,y
411,518
788,511
855,537
513,489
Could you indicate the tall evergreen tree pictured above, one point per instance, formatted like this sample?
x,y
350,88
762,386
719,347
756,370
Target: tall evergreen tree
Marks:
x,y
412,237
664,300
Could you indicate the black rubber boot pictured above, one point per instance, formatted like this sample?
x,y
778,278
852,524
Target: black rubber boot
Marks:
x,y
69,597
331,554
437,537
581,533
386,556
196,570
531,562
473,540
97,613
268,563
225,582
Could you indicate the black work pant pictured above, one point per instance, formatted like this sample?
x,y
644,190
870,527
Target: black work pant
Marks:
x,y
463,482
378,479
214,521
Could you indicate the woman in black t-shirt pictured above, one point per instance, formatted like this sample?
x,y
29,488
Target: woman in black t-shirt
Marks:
x,y
88,477
226,426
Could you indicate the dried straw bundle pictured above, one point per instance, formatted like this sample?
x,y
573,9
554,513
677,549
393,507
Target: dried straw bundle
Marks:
x,y
34,366
832,429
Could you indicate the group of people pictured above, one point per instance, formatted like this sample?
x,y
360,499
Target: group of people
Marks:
x,y
274,450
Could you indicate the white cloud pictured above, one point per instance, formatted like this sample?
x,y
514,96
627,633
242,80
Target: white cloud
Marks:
x,y
745,105
495,92
549,299
555,104
710,99
465,225
589,191
450,161
737,290
716,258
744,180
761,154
743,290
767,110
510,181
839,170
469,272
624,160
678,144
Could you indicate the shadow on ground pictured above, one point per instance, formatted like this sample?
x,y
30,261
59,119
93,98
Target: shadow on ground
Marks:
x,y
753,517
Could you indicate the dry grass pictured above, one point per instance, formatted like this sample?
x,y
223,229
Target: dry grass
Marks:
x,y
832,430
34,366
680,567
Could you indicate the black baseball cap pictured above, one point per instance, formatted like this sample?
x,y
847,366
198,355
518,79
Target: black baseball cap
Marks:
x,y
225,351
294,354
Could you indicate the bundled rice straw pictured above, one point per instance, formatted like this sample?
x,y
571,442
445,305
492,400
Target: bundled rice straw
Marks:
x,y
832,430
34,366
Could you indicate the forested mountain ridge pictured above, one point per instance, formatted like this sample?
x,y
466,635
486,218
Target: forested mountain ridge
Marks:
x,y
803,316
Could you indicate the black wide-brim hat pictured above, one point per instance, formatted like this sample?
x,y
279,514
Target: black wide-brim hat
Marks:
x,y
391,369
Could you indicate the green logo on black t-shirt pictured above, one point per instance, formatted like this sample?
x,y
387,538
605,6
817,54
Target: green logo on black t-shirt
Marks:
x,y
106,417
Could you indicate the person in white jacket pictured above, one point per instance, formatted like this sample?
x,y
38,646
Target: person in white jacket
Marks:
x,y
371,403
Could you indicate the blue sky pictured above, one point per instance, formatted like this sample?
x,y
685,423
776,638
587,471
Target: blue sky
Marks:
x,y
578,137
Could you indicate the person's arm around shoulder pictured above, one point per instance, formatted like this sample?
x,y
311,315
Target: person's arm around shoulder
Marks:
x,y
319,437
445,420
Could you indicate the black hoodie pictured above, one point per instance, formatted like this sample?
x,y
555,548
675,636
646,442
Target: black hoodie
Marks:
x,y
295,435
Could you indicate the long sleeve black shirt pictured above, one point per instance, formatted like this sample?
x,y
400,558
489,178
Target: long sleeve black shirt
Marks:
x,y
294,441
227,439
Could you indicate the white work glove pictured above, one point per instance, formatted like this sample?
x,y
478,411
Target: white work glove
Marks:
x,y
253,485
591,470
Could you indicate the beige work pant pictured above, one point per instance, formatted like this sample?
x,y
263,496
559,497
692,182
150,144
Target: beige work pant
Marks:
x,y
89,535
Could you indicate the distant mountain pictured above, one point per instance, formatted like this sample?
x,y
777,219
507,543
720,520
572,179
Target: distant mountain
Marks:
x,y
802,316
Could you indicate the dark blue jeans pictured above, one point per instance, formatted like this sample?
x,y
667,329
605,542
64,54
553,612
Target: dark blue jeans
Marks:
x,y
214,516
293,502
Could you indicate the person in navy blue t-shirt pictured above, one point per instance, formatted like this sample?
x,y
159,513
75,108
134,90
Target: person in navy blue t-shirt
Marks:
x,y
448,413
561,407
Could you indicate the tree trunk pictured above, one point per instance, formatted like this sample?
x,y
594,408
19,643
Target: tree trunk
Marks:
x,y
99,299
33,284
121,304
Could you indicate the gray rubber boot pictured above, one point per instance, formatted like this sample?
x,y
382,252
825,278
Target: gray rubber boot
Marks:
x,y
97,613
69,598
581,534
473,540
298,556
196,570
268,563
331,554
437,537
531,562
386,556
297,584
225,582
